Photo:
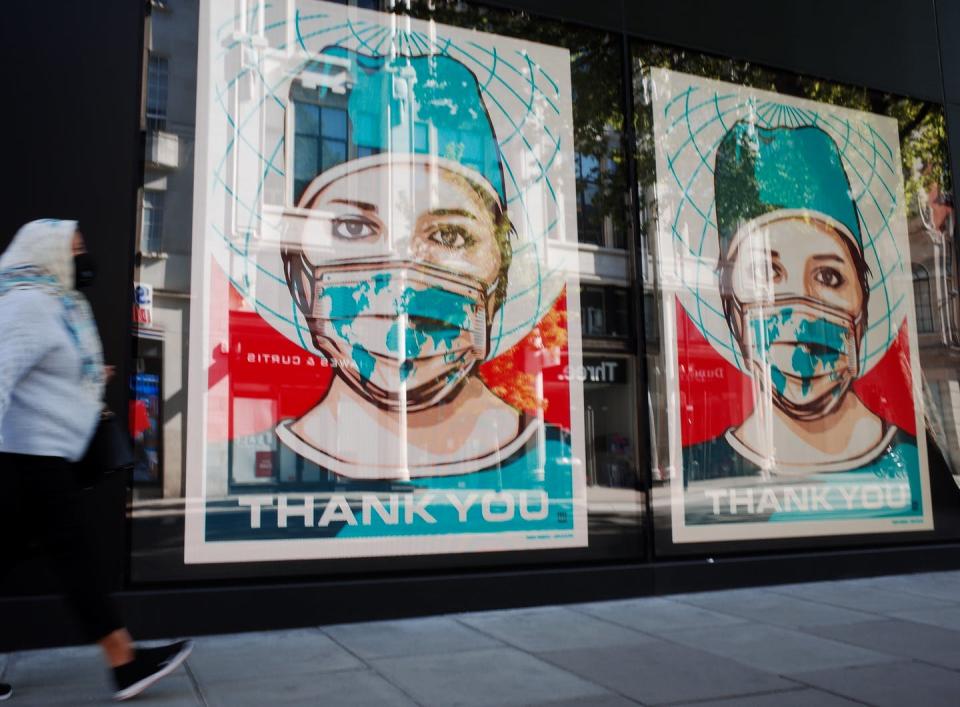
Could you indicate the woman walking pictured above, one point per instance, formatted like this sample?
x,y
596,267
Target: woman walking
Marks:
x,y
51,387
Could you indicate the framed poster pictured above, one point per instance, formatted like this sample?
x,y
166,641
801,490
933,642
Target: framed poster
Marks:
x,y
381,319
791,346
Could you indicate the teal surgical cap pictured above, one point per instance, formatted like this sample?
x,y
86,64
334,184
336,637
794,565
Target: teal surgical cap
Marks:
x,y
763,170
421,105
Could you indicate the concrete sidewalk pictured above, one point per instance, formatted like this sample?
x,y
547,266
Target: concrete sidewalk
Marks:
x,y
885,641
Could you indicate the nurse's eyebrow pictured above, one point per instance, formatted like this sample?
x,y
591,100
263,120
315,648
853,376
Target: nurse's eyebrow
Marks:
x,y
362,205
452,212
828,258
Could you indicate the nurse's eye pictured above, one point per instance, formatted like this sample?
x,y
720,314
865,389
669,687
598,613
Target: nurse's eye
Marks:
x,y
353,227
829,277
451,237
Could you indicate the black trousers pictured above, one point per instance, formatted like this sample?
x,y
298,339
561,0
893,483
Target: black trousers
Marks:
x,y
39,498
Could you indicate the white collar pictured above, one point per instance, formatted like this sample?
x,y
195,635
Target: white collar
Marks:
x,y
788,469
343,467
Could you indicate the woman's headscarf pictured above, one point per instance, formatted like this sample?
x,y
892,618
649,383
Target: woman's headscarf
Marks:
x,y
41,257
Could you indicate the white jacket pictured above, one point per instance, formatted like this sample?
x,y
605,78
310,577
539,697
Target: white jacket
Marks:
x,y
48,405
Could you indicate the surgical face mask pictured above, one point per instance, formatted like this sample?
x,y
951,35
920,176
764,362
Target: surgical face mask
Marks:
x,y
404,335
804,352
84,270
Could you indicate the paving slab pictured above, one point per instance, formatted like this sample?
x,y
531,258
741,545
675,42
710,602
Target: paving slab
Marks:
x,y
805,697
661,672
656,615
905,639
551,628
773,608
944,618
274,653
385,639
861,597
346,688
175,690
493,676
75,666
932,585
592,701
892,685
777,650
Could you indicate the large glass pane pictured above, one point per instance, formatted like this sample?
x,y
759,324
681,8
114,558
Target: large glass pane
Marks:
x,y
796,243
379,279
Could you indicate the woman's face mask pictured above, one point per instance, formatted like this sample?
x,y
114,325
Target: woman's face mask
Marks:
x,y
403,334
84,270
799,309
806,353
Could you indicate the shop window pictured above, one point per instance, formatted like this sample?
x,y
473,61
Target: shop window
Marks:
x,y
610,419
745,403
152,222
922,299
157,80
472,307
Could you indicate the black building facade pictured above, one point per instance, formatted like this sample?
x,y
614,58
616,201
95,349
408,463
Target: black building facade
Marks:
x,y
113,122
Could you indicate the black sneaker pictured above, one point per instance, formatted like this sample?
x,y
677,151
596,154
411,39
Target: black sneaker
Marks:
x,y
6,691
148,666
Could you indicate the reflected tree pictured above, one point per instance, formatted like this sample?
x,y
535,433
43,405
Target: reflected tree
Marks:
x,y
596,71
923,132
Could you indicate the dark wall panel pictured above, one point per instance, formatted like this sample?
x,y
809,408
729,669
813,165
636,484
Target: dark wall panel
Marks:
x,y
71,77
888,45
948,17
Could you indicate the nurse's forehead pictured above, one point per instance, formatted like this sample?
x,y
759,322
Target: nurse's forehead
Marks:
x,y
436,182
794,238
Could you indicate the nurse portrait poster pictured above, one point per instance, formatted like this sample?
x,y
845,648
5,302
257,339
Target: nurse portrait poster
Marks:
x,y
788,317
381,315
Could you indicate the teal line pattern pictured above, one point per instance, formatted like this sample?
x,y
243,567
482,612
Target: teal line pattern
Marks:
x,y
696,119
523,89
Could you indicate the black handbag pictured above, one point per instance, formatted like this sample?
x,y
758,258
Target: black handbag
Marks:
x,y
109,451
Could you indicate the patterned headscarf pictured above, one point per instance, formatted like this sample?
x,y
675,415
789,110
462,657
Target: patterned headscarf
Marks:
x,y
41,257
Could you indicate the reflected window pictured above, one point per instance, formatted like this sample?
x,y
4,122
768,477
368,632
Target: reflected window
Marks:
x,y
589,217
922,299
591,307
609,420
157,79
152,241
605,312
320,141
650,324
